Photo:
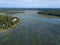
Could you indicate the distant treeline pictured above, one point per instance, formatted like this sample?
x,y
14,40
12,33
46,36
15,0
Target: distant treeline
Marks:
x,y
53,12
29,8
22,8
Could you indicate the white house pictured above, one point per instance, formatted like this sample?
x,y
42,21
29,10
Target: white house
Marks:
x,y
14,19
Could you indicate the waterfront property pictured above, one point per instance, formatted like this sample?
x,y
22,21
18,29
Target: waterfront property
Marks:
x,y
7,21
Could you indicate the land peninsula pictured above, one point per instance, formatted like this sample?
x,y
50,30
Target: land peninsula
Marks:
x,y
8,22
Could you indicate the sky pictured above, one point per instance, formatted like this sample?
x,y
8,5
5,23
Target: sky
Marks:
x,y
30,3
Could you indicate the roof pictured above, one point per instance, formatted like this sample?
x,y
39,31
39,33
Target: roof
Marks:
x,y
14,19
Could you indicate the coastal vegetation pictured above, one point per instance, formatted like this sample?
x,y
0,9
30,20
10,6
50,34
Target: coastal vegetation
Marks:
x,y
7,22
12,11
50,12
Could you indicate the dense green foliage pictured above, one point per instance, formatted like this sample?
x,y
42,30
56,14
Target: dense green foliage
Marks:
x,y
6,21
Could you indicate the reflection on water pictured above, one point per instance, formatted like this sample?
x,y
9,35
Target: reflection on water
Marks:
x,y
33,29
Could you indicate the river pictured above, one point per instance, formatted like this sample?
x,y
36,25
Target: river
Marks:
x,y
34,29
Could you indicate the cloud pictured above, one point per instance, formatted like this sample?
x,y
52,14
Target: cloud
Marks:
x,y
30,3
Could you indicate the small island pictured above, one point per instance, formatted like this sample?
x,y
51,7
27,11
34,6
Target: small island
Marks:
x,y
8,22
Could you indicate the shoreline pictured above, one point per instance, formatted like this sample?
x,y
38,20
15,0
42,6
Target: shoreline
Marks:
x,y
9,29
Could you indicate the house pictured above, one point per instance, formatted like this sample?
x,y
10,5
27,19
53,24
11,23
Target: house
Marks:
x,y
14,20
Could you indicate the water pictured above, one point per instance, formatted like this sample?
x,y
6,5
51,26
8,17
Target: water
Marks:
x,y
34,29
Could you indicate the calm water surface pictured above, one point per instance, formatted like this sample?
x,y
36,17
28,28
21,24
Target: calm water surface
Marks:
x,y
34,29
